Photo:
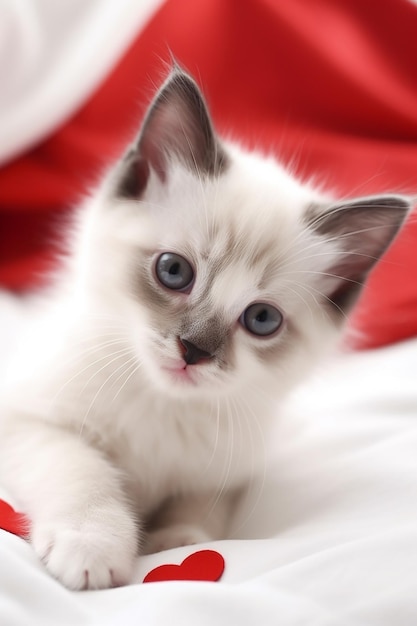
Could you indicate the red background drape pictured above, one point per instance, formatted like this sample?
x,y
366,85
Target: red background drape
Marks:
x,y
329,86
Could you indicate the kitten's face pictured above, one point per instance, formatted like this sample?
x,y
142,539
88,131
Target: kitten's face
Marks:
x,y
235,275
225,268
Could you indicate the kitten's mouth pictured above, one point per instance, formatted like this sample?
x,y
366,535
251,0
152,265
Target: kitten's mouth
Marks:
x,y
182,373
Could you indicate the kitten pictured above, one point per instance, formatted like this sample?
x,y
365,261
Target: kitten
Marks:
x,y
202,283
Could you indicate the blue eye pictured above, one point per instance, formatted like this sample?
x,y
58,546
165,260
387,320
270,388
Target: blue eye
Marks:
x,y
261,319
173,271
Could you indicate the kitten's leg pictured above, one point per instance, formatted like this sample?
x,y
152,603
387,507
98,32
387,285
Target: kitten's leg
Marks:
x,y
190,519
81,524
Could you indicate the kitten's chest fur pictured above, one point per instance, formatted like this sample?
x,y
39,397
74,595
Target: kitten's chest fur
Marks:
x,y
167,447
169,456
164,445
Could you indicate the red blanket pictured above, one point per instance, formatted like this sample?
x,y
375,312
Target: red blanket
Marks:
x,y
330,86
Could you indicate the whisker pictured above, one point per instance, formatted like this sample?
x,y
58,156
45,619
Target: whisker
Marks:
x,y
307,304
217,435
138,366
79,355
127,365
96,395
284,258
323,295
228,459
115,356
254,475
80,372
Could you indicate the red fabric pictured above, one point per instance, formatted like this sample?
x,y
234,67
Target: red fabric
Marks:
x,y
331,86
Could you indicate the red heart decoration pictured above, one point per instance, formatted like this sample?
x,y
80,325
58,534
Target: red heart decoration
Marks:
x,y
13,522
202,565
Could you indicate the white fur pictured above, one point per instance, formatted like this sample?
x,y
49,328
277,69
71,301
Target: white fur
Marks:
x,y
95,435
91,442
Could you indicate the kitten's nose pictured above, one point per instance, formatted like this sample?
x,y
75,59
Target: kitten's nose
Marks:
x,y
193,354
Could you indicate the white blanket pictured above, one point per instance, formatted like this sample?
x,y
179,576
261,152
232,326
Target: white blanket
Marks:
x,y
53,55
329,538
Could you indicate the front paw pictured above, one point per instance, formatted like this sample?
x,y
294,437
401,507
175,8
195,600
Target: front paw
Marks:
x,y
92,556
175,537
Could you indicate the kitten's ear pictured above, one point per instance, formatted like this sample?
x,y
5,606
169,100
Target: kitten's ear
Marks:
x,y
362,230
177,126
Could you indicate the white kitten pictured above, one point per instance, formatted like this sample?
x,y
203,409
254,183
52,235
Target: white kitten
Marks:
x,y
202,282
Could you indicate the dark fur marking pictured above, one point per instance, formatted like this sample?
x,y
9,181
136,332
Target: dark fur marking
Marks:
x,y
209,335
177,125
134,178
145,286
333,220
364,228
205,151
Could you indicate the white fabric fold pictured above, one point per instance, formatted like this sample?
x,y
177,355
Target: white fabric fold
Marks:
x,y
53,55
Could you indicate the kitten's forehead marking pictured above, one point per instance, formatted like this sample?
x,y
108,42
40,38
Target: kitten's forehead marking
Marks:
x,y
241,261
233,285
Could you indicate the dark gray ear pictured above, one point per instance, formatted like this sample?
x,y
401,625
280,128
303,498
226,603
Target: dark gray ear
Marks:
x,y
362,229
177,126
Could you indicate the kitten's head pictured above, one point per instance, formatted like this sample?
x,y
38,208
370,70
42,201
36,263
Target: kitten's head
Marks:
x,y
232,273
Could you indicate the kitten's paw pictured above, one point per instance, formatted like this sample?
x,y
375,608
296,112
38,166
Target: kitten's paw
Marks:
x,y
93,557
175,537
